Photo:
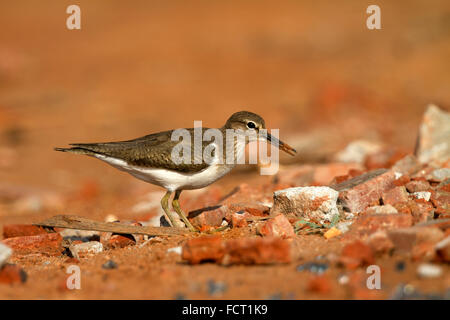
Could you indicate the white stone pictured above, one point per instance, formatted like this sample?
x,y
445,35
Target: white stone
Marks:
x,y
5,253
384,209
422,195
428,270
357,151
91,247
302,201
176,250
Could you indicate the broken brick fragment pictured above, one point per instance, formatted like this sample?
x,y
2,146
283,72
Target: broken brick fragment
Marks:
x,y
48,244
366,190
21,230
356,254
257,251
11,273
120,241
395,195
208,217
278,226
417,186
236,251
367,224
201,249
319,284
380,242
238,220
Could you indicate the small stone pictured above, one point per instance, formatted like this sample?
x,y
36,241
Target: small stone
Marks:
x,y
5,253
319,284
443,249
427,270
434,136
440,175
417,186
85,248
11,273
332,232
309,203
356,254
239,220
407,165
314,267
216,288
279,226
422,195
380,242
343,226
110,264
119,241
176,250
208,217
385,209
357,151
400,266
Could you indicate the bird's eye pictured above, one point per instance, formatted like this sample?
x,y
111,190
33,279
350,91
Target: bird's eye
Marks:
x,y
251,125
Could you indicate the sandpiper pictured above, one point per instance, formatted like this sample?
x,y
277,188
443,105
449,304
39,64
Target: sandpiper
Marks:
x,y
150,158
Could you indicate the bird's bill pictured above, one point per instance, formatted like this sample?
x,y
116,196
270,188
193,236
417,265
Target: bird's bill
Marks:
x,y
281,145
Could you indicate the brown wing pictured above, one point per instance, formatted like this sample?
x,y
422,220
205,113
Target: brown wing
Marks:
x,y
154,150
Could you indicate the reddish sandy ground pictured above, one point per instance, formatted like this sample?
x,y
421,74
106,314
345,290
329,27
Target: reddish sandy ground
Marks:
x,y
312,70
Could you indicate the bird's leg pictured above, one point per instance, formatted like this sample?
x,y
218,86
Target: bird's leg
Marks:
x,y
176,207
173,220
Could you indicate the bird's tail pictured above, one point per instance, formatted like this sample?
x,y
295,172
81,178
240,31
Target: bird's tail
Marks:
x,y
77,150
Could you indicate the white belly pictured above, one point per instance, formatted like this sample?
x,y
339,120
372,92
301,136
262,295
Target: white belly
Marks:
x,y
170,179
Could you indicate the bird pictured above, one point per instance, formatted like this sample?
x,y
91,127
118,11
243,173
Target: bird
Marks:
x,y
152,158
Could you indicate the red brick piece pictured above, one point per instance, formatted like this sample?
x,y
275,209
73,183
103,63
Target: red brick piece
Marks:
x,y
206,248
208,217
257,251
356,254
20,230
48,244
11,273
417,186
279,226
361,192
395,195
371,223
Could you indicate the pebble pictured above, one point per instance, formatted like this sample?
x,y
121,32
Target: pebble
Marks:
x,y
176,250
5,253
400,266
216,288
91,247
110,264
313,267
428,270
422,195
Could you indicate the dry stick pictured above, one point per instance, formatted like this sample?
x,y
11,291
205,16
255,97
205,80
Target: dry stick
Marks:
x,y
80,223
